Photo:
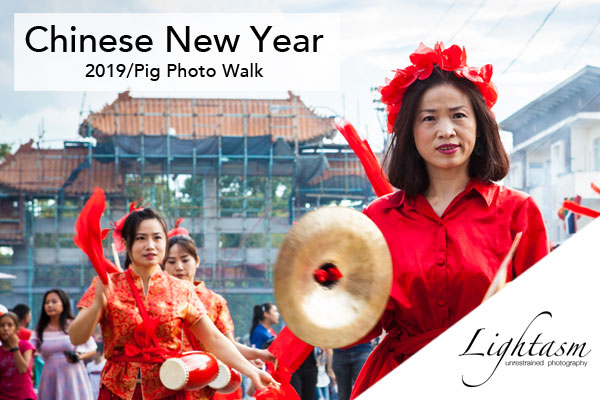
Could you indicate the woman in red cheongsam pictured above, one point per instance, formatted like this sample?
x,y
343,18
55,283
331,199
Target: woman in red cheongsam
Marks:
x,y
181,261
449,226
142,313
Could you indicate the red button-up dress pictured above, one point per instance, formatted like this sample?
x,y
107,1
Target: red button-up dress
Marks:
x,y
444,265
218,312
169,299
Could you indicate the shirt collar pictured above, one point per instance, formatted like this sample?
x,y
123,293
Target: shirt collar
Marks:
x,y
156,274
200,284
485,189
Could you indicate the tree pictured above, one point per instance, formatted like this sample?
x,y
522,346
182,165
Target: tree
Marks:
x,y
5,149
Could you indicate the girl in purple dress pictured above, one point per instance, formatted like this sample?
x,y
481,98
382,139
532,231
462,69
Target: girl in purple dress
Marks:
x,y
64,376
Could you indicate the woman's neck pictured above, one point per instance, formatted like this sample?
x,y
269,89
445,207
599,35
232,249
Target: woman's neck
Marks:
x,y
145,273
54,321
266,324
444,186
5,344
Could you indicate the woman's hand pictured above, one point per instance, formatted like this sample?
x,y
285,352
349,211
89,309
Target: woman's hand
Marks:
x,y
261,379
265,355
72,357
84,324
102,294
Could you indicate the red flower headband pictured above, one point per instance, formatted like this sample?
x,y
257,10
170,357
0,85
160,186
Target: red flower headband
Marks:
x,y
177,230
118,226
423,59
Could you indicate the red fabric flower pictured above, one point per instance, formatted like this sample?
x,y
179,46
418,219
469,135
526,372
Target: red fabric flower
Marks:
x,y
177,230
118,226
423,60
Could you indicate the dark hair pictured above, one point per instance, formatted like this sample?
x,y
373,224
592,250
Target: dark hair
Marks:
x,y
44,319
13,316
185,242
258,314
100,347
22,310
406,168
131,225
268,342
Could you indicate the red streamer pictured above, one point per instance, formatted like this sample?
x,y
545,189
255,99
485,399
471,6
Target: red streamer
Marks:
x,y
577,209
367,158
88,235
289,350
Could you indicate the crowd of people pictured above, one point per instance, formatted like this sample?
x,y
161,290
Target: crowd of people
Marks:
x,y
74,372
448,228
78,356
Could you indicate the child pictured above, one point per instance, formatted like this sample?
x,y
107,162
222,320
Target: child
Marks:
x,y
15,361
94,368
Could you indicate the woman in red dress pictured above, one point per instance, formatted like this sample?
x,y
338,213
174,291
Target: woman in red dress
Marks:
x,y
142,313
449,226
181,261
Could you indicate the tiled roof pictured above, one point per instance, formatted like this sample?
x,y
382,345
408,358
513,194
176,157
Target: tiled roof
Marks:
x,y
189,118
341,167
47,170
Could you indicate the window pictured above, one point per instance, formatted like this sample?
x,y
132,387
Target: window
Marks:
x,y
596,147
535,174
516,175
557,158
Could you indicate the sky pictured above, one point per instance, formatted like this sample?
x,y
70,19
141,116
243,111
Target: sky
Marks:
x,y
533,45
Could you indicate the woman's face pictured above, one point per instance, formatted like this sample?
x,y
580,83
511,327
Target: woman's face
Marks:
x,y
53,306
272,315
148,247
181,264
7,328
445,129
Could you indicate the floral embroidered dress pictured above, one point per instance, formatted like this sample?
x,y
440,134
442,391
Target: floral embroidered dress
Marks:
x,y
216,307
62,380
218,312
171,301
442,266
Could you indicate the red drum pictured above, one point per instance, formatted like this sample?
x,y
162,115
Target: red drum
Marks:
x,y
227,380
192,371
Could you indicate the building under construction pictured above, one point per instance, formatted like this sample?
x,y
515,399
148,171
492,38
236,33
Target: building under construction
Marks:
x,y
239,171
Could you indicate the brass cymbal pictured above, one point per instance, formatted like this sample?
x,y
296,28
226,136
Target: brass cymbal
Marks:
x,y
333,314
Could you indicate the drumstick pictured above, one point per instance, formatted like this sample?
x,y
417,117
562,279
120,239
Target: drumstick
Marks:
x,y
499,280
116,256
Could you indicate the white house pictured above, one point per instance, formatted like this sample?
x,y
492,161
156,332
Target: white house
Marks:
x,y
556,147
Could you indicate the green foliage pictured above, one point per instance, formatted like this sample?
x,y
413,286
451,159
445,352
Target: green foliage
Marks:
x,y
252,240
241,306
5,149
191,197
233,195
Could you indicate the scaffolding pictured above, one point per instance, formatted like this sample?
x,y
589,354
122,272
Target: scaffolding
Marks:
x,y
239,191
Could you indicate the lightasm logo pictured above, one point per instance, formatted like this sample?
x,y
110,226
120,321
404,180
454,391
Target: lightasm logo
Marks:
x,y
531,349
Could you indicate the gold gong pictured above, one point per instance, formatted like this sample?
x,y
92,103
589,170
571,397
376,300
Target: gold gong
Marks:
x,y
333,314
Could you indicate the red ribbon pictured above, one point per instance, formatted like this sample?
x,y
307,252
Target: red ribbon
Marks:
x,y
577,209
147,355
284,392
331,274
